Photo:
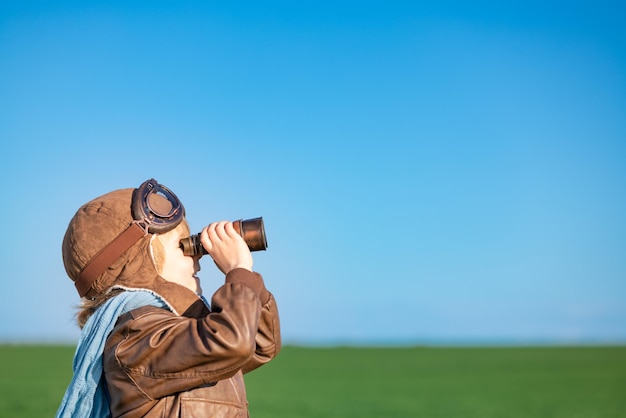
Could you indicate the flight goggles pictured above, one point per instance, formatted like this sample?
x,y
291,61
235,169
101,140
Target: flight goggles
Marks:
x,y
155,210
156,215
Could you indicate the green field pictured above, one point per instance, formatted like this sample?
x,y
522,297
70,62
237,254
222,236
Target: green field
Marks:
x,y
568,382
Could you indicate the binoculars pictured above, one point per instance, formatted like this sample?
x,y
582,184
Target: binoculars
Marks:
x,y
251,230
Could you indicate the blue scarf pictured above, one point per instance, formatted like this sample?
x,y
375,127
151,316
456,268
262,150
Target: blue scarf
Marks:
x,y
86,396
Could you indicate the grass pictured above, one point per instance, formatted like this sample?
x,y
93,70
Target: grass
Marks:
x,y
545,382
441,382
33,379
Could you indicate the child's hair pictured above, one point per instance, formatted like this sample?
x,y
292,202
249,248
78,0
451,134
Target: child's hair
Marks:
x,y
89,306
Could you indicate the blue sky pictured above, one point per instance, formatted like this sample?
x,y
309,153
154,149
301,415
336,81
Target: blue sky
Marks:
x,y
428,172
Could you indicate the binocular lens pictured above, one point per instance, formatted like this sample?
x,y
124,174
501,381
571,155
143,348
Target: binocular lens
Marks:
x,y
251,230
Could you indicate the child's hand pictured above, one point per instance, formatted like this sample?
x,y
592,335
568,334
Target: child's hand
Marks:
x,y
227,248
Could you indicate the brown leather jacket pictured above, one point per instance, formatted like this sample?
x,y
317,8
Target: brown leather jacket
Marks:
x,y
160,364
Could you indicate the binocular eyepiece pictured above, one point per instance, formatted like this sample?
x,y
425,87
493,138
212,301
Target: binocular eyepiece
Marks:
x,y
251,230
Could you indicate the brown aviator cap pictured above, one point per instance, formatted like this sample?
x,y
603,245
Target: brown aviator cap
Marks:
x,y
102,224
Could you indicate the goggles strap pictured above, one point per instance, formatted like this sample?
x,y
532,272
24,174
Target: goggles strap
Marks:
x,y
101,261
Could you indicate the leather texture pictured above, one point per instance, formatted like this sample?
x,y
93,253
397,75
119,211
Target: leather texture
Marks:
x,y
159,364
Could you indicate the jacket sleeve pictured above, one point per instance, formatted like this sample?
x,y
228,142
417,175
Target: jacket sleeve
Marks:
x,y
163,353
268,339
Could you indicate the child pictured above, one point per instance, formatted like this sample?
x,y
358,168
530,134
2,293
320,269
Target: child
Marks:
x,y
150,345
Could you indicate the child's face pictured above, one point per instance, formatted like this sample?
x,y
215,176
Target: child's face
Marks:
x,y
177,267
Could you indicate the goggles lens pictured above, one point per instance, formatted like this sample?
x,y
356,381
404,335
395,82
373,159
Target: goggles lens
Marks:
x,y
157,207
